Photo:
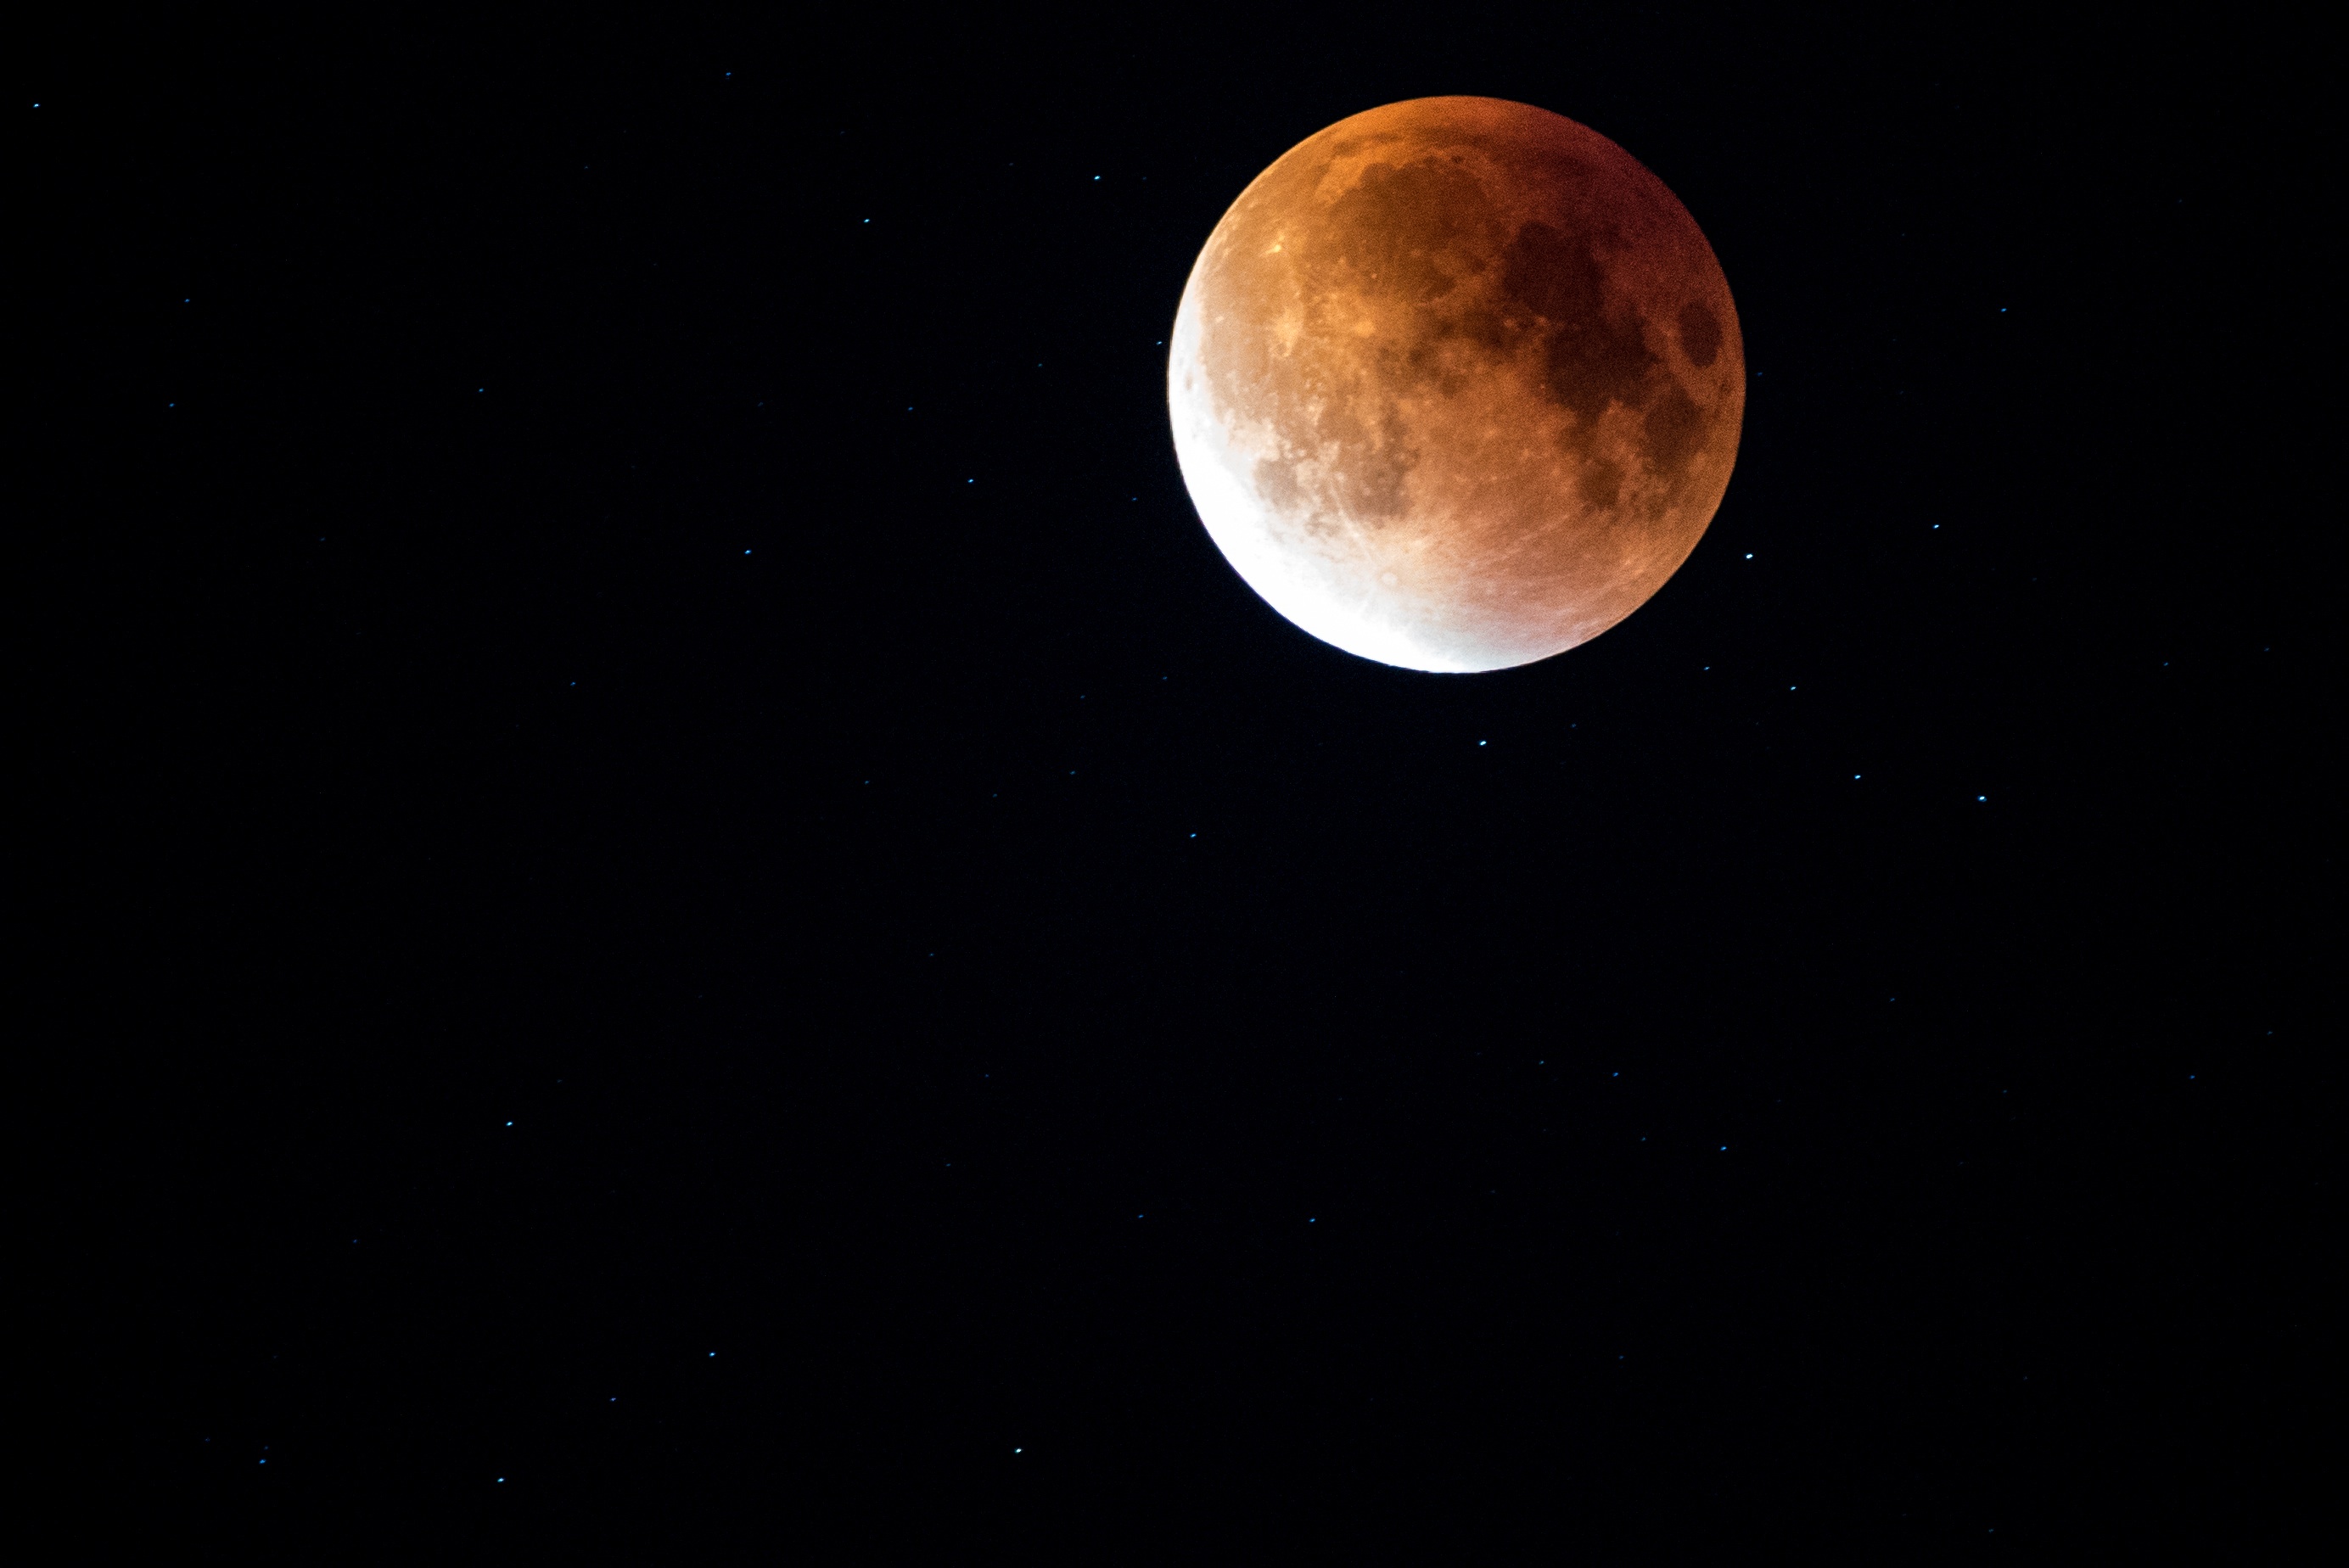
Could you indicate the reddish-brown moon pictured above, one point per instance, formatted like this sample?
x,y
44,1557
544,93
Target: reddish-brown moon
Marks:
x,y
1456,384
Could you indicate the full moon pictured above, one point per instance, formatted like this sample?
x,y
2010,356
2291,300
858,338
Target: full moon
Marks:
x,y
1456,384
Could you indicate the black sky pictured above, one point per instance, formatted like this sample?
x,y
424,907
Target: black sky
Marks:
x,y
707,898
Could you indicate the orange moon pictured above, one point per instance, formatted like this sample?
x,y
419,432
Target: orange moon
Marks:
x,y
1456,384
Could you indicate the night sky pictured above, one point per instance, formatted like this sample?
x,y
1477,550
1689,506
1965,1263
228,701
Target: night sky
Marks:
x,y
717,922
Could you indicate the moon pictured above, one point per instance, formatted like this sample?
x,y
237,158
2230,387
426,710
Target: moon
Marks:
x,y
1456,384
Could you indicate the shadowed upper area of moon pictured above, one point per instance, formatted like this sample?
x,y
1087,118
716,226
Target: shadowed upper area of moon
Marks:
x,y
1456,384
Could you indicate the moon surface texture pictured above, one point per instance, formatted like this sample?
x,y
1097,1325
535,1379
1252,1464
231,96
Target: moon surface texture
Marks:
x,y
1456,384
